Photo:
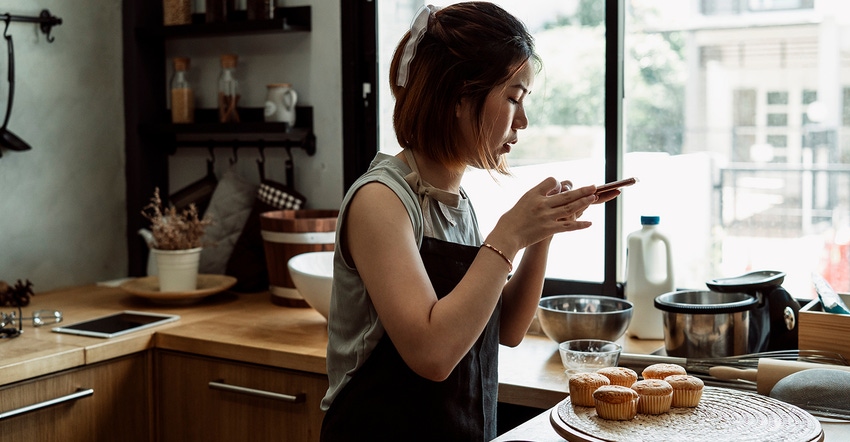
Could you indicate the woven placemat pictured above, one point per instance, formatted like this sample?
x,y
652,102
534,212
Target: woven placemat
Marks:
x,y
723,414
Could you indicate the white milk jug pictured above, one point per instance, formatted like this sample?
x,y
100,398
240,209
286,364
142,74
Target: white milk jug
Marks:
x,y
280,104
649,273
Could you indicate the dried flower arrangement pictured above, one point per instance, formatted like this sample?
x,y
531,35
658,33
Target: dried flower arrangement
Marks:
x,y
17,295
172,230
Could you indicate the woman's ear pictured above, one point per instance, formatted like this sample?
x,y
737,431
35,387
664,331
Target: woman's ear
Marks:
x,y
463,108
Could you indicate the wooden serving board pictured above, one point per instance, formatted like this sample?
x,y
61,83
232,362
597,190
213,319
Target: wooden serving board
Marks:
x,y
722,414
148,287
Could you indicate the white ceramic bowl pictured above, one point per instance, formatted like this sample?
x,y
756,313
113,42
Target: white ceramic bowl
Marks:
x,y
312,273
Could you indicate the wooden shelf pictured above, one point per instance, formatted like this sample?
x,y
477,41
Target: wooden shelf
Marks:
x,y
289,19
252,131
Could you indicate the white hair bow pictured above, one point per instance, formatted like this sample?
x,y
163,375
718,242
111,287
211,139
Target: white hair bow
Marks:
x,y
417,30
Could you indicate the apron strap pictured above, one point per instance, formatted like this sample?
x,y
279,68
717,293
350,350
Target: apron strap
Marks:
x,y
426,193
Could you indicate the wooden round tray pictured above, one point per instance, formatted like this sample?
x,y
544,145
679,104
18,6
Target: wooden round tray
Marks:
x,y
723,414
148,287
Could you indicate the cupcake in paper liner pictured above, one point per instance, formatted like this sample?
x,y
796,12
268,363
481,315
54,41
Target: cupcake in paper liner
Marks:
x,y
582,386
687,390
615,402
619,375
655,396
661,371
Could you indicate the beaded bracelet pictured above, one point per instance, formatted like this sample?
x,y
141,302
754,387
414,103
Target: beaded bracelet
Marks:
x,y
507,260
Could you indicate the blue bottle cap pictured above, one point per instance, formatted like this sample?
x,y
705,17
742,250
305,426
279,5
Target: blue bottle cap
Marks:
x,y
649,220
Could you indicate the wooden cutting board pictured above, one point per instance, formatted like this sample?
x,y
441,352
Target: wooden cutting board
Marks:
x,y
723,414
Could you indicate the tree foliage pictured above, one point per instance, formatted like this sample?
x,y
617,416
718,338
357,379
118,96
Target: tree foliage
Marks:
x,y
573,50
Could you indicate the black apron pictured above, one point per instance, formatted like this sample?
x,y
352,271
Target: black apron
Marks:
x,y
386,401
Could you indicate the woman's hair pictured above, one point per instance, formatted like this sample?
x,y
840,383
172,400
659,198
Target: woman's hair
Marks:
x,y
467,49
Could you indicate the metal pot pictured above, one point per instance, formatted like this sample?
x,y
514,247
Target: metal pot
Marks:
x,y
707,324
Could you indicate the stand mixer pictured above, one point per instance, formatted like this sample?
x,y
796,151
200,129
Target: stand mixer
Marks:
x,y
773,324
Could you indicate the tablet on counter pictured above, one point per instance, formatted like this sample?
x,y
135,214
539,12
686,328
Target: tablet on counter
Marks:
x,y
116,324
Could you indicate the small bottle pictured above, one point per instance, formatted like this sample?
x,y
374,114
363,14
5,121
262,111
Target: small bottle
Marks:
x,y
228,90
182,97
649,273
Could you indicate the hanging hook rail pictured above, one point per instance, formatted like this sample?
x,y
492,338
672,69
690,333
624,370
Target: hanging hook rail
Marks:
x,y
46,21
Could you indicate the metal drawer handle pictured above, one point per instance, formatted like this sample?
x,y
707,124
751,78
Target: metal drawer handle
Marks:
x,y
80,393
217,385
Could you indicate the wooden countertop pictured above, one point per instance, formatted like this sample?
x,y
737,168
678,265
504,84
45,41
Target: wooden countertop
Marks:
x,y
250,328
246,327
243,327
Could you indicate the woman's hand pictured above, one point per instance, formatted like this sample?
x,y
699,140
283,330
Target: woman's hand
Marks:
x,y
548,208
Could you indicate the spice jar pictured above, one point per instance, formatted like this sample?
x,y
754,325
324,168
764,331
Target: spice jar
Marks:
x,y
228,90
280,104
182,98
176,12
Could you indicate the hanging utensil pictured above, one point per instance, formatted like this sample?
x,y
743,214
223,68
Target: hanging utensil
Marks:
x,y
7,138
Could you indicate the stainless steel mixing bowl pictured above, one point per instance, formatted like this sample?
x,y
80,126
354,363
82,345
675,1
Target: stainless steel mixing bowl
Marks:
x,y
567,317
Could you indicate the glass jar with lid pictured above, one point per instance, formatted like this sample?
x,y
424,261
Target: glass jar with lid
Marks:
x,y
228,90
182,97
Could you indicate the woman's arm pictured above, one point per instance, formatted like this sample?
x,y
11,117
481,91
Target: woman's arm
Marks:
x,y
433,335
521,295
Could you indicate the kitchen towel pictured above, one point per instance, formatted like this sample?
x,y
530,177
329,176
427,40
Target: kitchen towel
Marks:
x,y
229,209
248,260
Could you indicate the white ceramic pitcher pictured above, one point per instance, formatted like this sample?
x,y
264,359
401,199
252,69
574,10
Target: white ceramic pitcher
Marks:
x,y
280,104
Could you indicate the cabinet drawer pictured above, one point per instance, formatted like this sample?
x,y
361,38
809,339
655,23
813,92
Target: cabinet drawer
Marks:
x,y
45,409
210,399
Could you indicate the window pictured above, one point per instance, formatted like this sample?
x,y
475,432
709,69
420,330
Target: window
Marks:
x,y
566,138
763,162
732,118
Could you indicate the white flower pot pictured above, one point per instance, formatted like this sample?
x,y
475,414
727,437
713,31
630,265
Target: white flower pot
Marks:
x,y
177,269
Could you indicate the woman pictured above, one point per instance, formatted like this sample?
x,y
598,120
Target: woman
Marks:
x,y
420,302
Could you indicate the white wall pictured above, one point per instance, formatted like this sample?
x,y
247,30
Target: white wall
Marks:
x,y
62,204
62,211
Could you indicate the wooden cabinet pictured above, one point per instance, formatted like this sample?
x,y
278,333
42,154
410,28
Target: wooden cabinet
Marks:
x,y
103,402
210,399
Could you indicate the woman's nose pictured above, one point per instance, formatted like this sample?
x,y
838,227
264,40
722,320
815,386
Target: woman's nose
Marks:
x,y
521,119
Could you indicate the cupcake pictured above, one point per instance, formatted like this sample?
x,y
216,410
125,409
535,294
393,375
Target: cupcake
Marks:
x,y
582,386
615,402
687,390
619,375
655,396
661,371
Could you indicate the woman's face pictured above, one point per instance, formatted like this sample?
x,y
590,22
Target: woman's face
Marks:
x,y
502,117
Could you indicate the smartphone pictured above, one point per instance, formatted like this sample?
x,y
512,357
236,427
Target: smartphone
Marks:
x,y
615,185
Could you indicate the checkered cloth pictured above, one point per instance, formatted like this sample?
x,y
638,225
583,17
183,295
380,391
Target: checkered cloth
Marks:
x,y
280,198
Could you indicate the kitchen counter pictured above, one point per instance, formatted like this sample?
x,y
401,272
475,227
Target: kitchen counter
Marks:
x,y
250,328
246,328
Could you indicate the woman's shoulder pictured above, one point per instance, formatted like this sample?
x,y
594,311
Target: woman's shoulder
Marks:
x,y
386,173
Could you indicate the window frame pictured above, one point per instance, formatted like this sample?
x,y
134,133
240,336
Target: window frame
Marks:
x,y
359,19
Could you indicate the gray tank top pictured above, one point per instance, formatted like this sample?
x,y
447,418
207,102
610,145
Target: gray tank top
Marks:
x,y
354,328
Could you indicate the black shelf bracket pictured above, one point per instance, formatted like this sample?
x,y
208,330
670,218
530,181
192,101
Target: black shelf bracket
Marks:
x,y
46,21
308,143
